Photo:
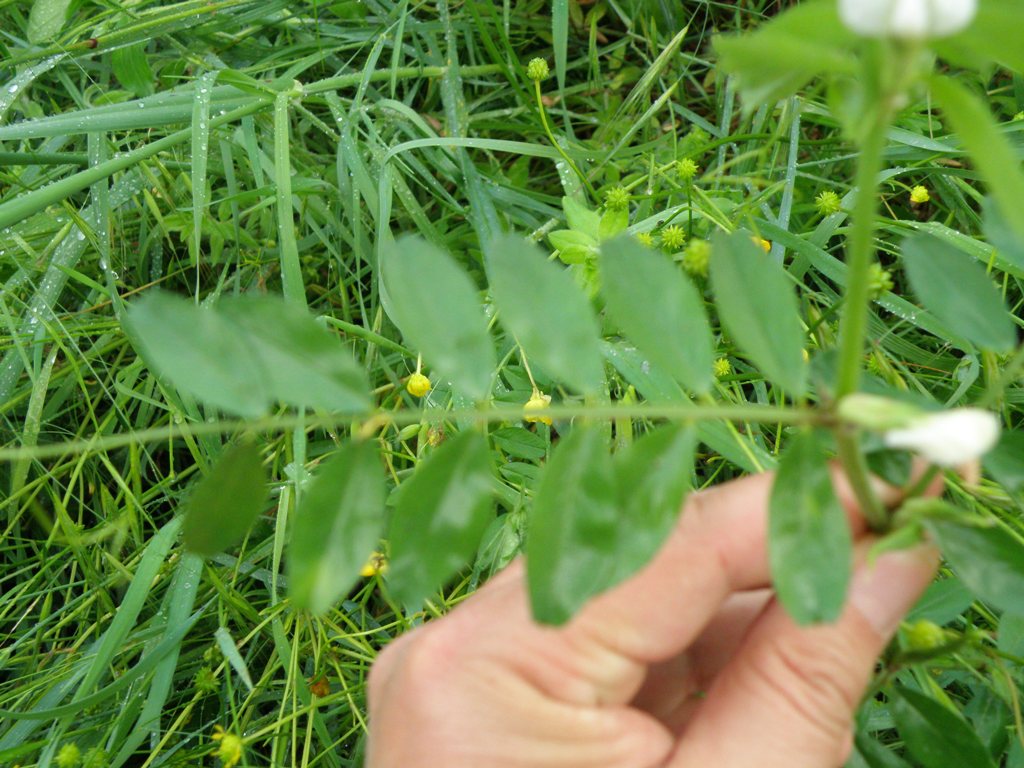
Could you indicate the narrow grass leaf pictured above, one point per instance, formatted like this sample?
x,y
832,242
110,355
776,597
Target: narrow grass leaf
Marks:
x,y
437,308
958,292
936,736
659,309
225,503
809,544
337,526
200,156
545,310
759,309
560,38
573,531
989,560
227,646
441,514
652,478
992,153
288,249
245,353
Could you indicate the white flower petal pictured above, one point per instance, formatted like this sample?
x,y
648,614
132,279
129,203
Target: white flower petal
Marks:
x,y
951,16
949,438
907,19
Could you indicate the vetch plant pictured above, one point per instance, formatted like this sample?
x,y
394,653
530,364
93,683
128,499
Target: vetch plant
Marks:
x,y
615,317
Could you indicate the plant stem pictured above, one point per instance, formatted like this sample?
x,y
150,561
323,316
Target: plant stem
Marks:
x,y
556,145
859,257
682,412
854,321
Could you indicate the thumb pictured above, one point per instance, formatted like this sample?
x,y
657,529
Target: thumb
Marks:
x,y
792,691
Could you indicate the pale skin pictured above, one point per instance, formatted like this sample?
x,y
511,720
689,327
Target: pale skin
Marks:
x,y
691,663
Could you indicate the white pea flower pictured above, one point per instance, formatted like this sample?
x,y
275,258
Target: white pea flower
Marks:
x,y
948,438
907,19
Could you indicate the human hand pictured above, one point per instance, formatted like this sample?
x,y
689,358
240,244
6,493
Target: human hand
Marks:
x,y
690,663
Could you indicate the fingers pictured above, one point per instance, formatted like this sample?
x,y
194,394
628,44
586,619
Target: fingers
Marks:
x,y
438,701
792,691
673,688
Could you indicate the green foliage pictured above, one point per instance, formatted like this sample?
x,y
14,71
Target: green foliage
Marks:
x,y
809,543
439,517
757,305
936,736
655,305
572,535
958,292
436,307
545,311
246,353
336,527
987,558
224,505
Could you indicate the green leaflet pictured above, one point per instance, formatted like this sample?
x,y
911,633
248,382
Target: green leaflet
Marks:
x,y
337,526
225,503
809,543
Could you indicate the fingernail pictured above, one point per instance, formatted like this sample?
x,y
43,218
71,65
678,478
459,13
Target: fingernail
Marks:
x,y
887,588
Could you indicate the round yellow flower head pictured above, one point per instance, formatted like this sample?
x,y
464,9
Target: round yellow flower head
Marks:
x,y
417,385
673,237
722,367
645,238
827,203
69,756
537,402
230,748
919,195
537,69
376,564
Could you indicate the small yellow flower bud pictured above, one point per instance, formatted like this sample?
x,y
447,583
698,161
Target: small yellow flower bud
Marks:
x,y
827,202
230,748
645,238
537,402
722,367
686,169
377,563
537,69
919,195
765,244
417,385
673,237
